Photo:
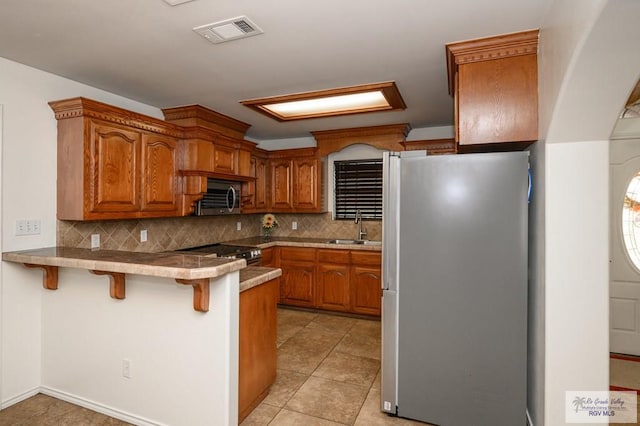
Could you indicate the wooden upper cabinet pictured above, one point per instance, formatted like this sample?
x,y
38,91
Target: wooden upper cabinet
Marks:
x,y
114,168
254,192
306,184
159,173
494,82
295,181
281,181
224,159
113,163
261,183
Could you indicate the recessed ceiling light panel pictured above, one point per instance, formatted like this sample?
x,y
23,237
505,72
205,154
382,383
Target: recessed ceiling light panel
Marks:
x,y
331,102
229,29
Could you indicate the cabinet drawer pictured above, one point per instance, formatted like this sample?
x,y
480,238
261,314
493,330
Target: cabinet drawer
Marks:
x,y
297,254
333,256
366,258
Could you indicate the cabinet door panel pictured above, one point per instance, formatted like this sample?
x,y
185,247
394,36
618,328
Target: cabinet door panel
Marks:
x,y
159,173
333,287
366,290
268,257
281,184
114,169
497,100
249,189
305,185
224,159
297,284
261,184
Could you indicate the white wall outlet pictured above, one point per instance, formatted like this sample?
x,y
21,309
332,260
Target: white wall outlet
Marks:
x,y
126,368
95,241
294,225
143,236
28,227
238,226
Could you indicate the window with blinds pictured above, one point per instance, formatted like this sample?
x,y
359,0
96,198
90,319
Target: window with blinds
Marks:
x,y
358,186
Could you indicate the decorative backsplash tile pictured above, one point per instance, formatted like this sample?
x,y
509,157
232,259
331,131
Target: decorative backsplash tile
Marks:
x,y
174,233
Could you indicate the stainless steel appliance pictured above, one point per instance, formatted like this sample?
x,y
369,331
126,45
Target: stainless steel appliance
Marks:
x,y
222,197
454,332
253,255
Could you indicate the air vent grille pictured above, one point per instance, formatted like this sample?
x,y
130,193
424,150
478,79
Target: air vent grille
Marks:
x,y
244,26
227,30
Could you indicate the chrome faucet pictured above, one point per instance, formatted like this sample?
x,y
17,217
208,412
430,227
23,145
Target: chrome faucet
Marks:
x,y
361,231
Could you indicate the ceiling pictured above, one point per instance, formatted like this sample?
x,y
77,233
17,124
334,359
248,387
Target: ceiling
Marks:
x,y
146,50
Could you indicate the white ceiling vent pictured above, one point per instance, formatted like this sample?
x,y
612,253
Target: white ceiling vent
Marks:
x,y
176,2
227,30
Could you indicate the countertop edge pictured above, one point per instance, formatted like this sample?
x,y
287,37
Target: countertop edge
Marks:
x,y
194,272
253,276
311,244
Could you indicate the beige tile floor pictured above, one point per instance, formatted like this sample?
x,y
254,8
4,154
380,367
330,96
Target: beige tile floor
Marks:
x,y
625,374
328,374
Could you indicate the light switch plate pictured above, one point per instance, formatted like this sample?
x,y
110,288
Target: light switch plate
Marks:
x,y
294,225
143,236
95,241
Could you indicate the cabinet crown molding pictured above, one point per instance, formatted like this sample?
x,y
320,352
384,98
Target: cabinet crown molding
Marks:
x,y
489,48
382,137
197,115
84,107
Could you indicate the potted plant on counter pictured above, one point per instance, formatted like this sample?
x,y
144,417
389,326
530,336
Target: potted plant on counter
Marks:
x,y
269,223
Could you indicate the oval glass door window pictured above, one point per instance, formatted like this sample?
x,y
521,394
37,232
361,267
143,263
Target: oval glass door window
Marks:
x,y
631,220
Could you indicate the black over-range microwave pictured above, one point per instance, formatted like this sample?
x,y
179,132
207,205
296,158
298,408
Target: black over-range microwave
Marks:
x,y
222,197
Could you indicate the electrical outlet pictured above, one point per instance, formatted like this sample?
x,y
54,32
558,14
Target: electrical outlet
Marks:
x,y
95,241
126,368
143,236
239,226
294,225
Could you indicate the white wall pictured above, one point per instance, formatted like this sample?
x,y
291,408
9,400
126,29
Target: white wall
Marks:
x,y
29,192
585,74
577,272
184,364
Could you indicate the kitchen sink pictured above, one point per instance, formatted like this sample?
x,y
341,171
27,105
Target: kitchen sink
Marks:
x,y
363,242
344,242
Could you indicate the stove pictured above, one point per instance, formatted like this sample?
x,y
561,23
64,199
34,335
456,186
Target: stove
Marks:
x,y
253,255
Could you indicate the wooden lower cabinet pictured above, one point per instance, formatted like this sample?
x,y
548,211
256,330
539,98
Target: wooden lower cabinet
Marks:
x,y
268,257
331,279
257,350
366,282
366,291
298,283
333,287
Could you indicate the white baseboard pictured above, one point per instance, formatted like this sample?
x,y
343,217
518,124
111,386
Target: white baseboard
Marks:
x,y
19,398
100,408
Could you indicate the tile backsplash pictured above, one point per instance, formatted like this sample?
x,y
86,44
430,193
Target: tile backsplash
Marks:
x,y
174,233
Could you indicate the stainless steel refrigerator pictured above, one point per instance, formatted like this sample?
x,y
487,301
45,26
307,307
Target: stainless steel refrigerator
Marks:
x,y
454,305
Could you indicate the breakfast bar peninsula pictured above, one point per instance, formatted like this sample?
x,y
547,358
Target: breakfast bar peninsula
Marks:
x,y
150,338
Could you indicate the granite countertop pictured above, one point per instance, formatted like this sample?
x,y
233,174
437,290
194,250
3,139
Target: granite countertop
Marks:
x,y
166,265
301,242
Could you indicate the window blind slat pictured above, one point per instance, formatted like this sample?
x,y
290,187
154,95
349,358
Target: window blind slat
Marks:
x,y
358,186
